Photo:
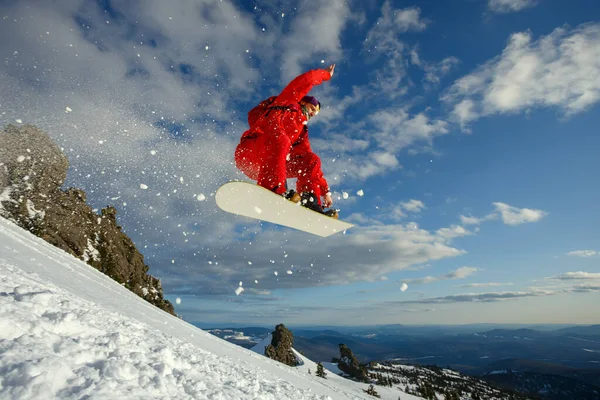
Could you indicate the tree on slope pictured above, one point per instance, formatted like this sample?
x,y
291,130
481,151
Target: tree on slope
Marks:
x,y
321,371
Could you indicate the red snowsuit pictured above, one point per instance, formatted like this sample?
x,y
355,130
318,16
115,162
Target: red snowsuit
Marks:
x,y
276,146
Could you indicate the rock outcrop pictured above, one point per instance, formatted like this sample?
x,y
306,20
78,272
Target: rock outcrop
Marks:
x,y
281,345
32,171
349,364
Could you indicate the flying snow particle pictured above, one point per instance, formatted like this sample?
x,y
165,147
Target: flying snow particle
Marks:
x,y
201,197
18,121
275,273
403,287
257,210
360,192
255,281
239,290
322,61
289,272
241,283
68,110
153,152
178,300
345,195
249,262
181,179
101,141
20,158
142,186
206,48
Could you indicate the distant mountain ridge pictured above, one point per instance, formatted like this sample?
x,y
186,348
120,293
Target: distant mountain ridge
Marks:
x,y
570,356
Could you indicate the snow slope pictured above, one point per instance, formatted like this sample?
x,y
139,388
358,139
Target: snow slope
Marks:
x,y
68,331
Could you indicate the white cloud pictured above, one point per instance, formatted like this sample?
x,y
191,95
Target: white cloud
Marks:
x,y
510,215
485,284
385,159
453,231
396,129
434,72
409,19
471,220
318,23
579,275
459,273
413,205
506,6
516,216
559,70
383,40
582,253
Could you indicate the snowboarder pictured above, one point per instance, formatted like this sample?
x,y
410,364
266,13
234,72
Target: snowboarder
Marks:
x,y
276,146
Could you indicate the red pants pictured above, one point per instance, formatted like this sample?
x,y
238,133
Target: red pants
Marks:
x,y
270,160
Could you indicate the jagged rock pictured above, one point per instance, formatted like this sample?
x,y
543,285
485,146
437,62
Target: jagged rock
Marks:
x,y
349,364
281,345
32,170
31,159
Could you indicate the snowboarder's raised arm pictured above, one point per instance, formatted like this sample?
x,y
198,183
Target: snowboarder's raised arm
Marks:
x,y
302,84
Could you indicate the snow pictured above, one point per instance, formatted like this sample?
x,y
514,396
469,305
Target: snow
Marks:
x,y
5,195
90,251
591,351
403,287
498,372
360,192
32,212
143,186
69,331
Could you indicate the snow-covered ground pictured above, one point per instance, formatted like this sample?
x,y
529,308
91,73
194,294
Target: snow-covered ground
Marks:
x,y
68,331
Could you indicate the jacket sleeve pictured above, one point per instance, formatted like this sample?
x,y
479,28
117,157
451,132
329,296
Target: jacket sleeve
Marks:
x,y
301,148
301,85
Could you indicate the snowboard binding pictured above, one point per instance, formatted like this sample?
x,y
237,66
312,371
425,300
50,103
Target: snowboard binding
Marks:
x,y
310,201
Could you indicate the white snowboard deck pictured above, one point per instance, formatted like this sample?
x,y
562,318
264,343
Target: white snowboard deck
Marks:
x,y
253,201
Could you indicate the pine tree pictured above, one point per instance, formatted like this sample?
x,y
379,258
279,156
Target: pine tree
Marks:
x,y
321,371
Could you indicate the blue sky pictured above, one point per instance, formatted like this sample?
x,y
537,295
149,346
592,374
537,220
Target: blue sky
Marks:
x,y
470,127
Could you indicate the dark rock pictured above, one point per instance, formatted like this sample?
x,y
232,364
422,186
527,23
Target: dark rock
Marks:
x,y
32,170
281,345
349,364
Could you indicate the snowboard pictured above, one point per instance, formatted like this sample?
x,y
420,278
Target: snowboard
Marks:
x,y
253,201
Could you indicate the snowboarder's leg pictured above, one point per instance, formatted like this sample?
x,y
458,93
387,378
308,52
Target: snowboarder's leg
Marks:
x,y
247,157
306,168
272,174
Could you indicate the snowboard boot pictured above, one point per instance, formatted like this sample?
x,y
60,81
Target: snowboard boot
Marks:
x,y
310,201
333,213
292,196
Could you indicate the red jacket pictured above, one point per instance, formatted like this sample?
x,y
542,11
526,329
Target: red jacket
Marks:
x,y
284,115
